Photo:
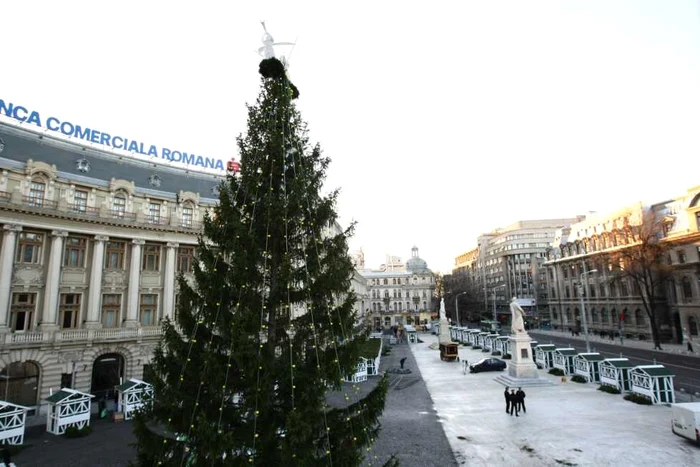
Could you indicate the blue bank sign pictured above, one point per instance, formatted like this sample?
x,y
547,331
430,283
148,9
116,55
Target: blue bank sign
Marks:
x,y
25,115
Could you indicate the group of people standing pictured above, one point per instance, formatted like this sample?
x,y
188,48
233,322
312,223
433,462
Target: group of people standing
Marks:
x,y
515,401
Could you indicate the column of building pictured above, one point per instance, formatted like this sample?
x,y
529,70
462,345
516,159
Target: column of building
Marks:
x,y
132,303
7,255
95,290
53,278
169,280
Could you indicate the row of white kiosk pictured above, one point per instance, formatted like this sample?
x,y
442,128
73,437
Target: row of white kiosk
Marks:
x,y
69,408
652,381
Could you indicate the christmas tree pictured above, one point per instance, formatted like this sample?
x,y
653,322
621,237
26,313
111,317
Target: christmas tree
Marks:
x,y
266,331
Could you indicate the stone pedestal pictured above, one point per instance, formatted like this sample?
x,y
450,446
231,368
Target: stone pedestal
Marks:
x,y
522,370
521,364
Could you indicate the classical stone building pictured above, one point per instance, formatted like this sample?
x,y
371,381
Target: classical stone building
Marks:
x,y
577,263
400,294
92,242
507,263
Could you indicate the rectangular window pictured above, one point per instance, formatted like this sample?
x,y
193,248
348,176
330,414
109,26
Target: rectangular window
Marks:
x,y
74,255
153,216
69,311
29,248
111,308
151,258
80,200
624,290
187,216
36,193
148,309
23,307
114,255
119,206
185,259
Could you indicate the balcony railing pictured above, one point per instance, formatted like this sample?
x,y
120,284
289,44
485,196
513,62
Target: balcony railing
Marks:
x,y
94,214
42,203
81,335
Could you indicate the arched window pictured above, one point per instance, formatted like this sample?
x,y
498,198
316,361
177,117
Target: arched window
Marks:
x,y
639,317
687,288
604,316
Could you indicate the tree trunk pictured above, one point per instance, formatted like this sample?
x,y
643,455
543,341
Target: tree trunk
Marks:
x,y
655,330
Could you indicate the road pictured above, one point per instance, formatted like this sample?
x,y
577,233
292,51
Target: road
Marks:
x,y
686,368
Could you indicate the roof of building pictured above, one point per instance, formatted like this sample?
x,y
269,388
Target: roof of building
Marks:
x,y
22,145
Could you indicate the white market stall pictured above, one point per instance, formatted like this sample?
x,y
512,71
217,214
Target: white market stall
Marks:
x,y
67,408
615,372
544,355
490,342
587,365
132,396
502,345
564,359
654,382
12,421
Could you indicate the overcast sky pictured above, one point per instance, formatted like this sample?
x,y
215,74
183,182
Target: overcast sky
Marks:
x,y
443,119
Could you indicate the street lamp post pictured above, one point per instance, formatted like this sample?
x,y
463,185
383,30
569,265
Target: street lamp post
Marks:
x,y
459,323
583,307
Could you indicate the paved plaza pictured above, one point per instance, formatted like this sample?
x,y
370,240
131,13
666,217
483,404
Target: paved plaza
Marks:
x,y
438,416
566,423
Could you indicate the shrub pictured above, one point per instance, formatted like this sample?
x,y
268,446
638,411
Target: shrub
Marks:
x,y
75,432
609,389
556,372
506,356
638,399
579,379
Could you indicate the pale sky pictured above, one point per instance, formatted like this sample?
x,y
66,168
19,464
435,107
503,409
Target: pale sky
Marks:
x,y
443,119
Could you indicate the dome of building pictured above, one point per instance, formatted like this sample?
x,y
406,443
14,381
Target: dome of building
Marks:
x,y
415,264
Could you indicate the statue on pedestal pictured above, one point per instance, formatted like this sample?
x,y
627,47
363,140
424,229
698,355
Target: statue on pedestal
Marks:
x,y
517,317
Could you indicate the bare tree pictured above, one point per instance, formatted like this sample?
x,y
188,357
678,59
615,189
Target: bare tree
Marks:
x,y
639,256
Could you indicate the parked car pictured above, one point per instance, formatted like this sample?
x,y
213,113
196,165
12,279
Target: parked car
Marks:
x,y
488,364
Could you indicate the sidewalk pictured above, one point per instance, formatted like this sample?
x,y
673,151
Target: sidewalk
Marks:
x,y
566,423
675,349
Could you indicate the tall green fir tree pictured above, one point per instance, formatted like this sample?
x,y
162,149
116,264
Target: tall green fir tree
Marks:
x,y
266,330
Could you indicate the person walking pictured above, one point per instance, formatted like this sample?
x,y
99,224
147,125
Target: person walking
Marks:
x,y
513,403
507,396
521,400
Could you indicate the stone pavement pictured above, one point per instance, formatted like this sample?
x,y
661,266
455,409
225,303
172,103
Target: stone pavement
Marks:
x,y
567,423
411,428
108,445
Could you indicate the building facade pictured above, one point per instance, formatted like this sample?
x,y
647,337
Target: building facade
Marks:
x,y
580,276
91,245
508,263
400,294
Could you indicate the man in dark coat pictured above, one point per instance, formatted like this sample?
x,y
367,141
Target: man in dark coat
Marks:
x,y
507,396
520,397
514,406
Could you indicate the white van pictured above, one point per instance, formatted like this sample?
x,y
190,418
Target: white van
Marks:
x,y
685,420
